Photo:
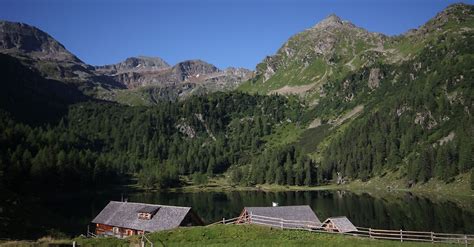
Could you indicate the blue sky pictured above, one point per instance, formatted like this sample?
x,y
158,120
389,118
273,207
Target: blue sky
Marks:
x,y
222,32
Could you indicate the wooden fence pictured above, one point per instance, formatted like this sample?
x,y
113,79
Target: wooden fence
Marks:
x,y
144,241
398,235
418,236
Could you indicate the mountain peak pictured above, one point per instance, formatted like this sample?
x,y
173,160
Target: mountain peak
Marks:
x,y
332,18
194,67
135,64
332,21
18,38
146,61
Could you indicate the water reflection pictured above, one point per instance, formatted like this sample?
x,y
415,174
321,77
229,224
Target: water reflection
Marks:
x,y
71,213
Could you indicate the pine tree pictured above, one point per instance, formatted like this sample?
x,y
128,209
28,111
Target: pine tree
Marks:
x,y
465,154
308,180
299,172
472,179
279,176
289,170
441,162
425,164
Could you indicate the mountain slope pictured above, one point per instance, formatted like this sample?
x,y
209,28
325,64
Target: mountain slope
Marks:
x,y
20,38
325,52
404,108
31,98
36,48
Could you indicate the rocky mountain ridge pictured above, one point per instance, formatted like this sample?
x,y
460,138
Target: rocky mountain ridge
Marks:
x,y
39,50
137,72
334,48
134,64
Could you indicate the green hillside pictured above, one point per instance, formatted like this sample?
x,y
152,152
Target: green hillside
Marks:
x,y
407,106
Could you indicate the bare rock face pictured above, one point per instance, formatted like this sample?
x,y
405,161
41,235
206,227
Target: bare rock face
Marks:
x,y
135,64
332,21
186,129
193,69
374,78
137,72
269,72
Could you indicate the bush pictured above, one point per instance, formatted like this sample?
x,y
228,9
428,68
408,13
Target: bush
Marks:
x,y
199,178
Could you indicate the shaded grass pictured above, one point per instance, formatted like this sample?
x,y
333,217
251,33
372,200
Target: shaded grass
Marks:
x,y
283,134
312,137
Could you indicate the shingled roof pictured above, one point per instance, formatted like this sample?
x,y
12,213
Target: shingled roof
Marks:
x,y
296,213
124,214
341,224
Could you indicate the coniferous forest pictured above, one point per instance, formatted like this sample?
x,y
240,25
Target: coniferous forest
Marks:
x,y
406,110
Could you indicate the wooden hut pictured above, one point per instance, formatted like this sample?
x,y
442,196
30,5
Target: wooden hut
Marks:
x,y
281,216
338,224
121,219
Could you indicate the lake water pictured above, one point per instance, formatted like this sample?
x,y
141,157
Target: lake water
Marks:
x,y
70,213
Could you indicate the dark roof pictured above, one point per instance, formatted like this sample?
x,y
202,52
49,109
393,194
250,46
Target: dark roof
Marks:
x,y
342,224
125,214
298,213
148,209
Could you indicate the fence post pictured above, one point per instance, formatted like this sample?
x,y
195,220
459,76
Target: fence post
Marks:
x,y
223,221
370,232
465,240
401,235
281,223
250,219
432,237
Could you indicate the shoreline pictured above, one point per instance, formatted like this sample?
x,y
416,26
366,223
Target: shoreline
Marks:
x,y
458,188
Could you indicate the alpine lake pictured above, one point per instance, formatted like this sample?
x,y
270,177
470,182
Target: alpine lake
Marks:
x,y
70,214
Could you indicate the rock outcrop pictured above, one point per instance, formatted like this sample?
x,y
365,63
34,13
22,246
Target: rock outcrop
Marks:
x,y
181,80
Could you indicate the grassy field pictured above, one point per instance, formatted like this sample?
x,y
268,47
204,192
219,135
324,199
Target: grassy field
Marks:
x,y
235,235
230,235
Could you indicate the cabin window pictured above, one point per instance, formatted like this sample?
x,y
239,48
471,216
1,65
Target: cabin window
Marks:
x,y
144,216
115,230
147,212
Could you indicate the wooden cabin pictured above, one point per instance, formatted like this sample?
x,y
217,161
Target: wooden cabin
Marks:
x,y
121,219
338,224
280,216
